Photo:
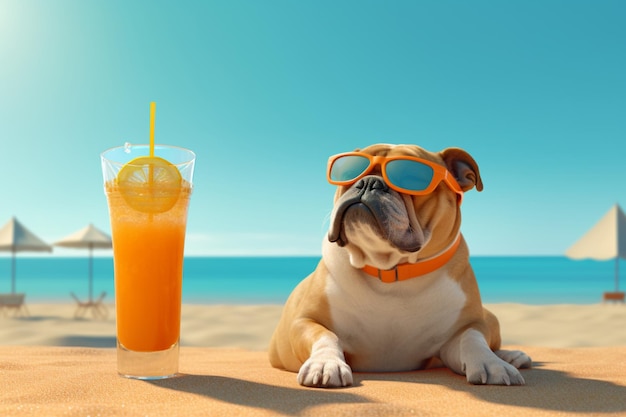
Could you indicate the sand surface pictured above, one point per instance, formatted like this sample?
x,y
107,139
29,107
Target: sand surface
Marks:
x,y
52,364
251,327
72,381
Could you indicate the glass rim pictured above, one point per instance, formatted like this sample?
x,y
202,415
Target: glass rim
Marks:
x,y
192,154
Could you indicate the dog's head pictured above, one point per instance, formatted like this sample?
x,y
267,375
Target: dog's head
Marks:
x,y
407,213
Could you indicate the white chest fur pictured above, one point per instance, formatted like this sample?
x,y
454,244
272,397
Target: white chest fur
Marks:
x,y
392,327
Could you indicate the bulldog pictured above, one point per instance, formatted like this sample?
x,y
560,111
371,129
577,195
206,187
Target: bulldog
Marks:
x,y
394,290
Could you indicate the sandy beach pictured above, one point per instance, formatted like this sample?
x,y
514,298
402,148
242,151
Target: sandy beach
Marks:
x,y
251,326
55,365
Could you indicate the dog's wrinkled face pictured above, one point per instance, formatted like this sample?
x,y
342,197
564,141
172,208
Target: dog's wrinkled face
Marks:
x,y
382,227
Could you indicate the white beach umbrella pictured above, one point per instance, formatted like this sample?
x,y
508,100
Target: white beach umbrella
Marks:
x,y
605,240
91,238
15,237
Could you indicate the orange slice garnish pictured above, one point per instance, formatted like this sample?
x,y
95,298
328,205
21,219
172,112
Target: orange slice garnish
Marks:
x,y
150,184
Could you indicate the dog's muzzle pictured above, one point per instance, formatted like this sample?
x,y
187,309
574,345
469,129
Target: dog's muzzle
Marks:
x,y
371,201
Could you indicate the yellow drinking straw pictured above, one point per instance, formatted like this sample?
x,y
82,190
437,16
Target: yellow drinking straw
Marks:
x,y
152,116
151,167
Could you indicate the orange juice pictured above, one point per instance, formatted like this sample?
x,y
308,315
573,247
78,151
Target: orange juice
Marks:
x,y
148,263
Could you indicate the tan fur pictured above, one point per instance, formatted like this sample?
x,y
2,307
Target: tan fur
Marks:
x,y
309,322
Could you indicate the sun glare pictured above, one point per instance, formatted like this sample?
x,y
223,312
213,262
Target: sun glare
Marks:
x,y
11,19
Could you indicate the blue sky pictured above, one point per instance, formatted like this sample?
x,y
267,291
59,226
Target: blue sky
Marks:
x,y
265,91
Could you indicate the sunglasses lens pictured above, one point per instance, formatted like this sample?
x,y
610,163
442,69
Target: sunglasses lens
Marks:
x,y
347,168
409,175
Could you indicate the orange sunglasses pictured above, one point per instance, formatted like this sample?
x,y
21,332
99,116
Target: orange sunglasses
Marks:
x,y
405,174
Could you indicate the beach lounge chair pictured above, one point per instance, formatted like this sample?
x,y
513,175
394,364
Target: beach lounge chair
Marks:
x,y
613,296
13,303
97,307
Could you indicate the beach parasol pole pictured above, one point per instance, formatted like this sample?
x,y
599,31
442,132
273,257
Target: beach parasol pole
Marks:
x,y
616,273
13,270
90,272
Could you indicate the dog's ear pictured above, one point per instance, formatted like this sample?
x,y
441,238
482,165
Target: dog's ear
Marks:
x,y
463,167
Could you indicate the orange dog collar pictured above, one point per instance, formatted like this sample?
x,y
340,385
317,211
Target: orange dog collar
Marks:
x,y
406,271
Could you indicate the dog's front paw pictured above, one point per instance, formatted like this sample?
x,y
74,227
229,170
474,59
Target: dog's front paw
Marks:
x,y
492,371
517,358
325,373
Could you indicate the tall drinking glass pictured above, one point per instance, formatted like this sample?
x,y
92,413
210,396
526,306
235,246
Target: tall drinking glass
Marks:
x,y
148,194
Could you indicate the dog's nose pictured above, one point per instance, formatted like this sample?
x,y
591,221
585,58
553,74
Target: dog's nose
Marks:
x,y
372,183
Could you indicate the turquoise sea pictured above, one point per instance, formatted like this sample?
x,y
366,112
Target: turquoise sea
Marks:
x,y
264,280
